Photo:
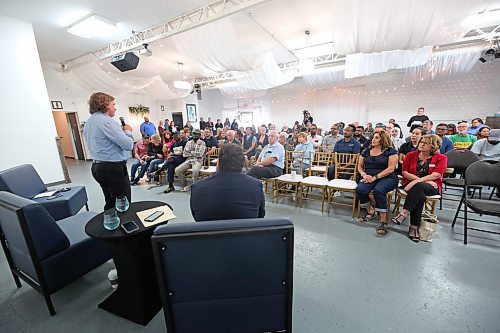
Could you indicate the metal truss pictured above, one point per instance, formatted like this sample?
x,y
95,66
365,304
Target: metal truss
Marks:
x,y
192,19
211,81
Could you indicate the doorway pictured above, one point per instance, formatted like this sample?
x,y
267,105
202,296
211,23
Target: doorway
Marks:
x,y
68,130
178,120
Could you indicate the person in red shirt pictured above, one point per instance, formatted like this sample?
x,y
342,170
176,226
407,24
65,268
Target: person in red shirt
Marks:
x,y
423,171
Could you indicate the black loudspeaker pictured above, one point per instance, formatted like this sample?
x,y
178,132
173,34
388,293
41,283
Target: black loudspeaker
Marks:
x,y
125,62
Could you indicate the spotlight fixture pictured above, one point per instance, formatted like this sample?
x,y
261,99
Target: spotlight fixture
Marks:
x,y
144,51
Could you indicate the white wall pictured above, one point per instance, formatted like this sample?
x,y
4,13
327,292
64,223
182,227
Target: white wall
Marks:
x,y
473,95
27,130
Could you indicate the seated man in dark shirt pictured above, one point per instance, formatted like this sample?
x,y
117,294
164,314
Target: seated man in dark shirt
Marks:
x,y
209,199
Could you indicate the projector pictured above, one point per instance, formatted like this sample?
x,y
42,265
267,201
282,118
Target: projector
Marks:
x,y
145,51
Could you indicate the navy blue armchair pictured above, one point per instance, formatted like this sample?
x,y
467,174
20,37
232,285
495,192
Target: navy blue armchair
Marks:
x,y
24,181
226,276
45,253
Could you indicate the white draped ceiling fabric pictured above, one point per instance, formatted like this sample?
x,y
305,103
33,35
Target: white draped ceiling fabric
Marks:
x,y
382,25
92,77
380,35
441,65
376,36
214,48
446,64
362,64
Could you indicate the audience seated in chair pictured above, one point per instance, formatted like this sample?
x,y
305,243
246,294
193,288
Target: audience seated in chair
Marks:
x,y
409,146
308,150
348,144
376,166
141,157
271,160
423,175
462,140
194,153
174,159
244,199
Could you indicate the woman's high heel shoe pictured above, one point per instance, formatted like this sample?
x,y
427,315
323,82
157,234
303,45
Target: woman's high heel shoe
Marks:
x,y
399,219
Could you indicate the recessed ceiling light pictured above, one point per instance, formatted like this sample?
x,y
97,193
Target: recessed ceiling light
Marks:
x,y
93,26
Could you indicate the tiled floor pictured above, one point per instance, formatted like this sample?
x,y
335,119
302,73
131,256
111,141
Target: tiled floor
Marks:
x,y
346,278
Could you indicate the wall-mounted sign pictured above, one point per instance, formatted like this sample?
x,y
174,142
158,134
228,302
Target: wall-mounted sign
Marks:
x,y
56,105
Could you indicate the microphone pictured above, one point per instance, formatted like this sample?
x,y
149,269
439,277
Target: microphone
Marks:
x,y
122,120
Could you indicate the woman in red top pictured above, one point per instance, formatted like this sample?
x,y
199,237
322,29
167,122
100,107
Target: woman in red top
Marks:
x,y
423,175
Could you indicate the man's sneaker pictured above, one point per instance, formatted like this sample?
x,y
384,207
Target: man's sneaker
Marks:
x,y
132,179
134,182
169,189
186,188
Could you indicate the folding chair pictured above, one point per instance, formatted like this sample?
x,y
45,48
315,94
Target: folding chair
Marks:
x,y
345,180
481,173
459,161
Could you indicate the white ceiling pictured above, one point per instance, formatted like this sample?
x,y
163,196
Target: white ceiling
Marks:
x,y
285,20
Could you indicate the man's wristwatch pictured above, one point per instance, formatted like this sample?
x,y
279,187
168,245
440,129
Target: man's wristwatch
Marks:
x,y
376,176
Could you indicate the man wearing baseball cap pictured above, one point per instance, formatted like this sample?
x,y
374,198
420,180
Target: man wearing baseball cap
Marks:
x,y
488,149
193,152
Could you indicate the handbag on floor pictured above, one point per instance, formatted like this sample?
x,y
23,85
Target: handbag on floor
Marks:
x,y
428,226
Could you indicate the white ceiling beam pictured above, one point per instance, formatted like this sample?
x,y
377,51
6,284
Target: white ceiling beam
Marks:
x,y
189,20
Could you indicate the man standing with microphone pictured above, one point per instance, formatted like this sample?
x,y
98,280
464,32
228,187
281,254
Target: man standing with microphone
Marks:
x,y
110,146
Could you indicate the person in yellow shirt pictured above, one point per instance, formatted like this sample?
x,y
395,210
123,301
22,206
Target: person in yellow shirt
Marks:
x,y
462,140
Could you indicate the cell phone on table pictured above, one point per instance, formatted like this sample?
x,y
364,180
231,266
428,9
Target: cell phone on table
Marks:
x,y
130,227
153,216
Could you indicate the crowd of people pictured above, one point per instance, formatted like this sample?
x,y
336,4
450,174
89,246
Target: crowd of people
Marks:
x,y
384,154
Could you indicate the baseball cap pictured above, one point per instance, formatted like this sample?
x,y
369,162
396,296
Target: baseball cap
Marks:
x,y
145,136
379,125
196,131
174,132
494,135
